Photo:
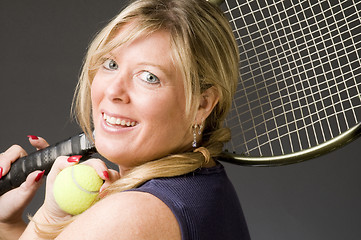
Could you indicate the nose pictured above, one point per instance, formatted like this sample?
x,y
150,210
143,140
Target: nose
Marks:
x,y
117,90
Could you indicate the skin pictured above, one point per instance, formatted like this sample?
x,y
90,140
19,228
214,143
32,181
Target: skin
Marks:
x,y
139,83
11,223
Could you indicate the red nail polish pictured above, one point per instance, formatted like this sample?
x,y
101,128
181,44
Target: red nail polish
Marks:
x,y
33,137
1,172
74,158
106,175
39,176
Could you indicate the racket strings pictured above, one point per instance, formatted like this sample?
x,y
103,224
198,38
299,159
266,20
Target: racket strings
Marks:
x,y
300,69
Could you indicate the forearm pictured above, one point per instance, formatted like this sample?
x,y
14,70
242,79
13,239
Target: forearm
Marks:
x,y
11,231
41,218
30,232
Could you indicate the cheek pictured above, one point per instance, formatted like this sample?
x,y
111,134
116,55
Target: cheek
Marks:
x,y
95,93
165,107
168,115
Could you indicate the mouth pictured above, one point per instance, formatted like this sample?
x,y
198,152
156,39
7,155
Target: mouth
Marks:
x,y
118,122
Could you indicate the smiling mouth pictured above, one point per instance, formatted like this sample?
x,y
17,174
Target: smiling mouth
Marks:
x,y
118,121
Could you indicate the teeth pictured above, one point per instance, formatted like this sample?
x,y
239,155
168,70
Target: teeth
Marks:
x,y
112,120
118,121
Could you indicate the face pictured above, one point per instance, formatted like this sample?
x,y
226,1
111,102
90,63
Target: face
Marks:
x,y
138,103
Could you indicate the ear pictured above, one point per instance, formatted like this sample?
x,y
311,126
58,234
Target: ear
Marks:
x,y
208,100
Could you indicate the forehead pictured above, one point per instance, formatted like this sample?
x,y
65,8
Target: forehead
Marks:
x,y
134,34
158,40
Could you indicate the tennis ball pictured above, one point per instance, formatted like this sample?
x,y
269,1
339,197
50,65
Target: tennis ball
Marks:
x,y
76,188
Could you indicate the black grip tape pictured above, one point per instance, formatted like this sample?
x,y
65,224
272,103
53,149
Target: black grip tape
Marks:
x,y
42,160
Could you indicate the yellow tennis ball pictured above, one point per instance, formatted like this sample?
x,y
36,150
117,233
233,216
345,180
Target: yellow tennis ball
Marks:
x,y
76,188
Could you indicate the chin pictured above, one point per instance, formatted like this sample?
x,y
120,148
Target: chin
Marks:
x,y
108,151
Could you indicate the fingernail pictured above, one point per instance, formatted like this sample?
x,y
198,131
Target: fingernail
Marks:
x,y
33,137
1,172
39,176
74,158
106,175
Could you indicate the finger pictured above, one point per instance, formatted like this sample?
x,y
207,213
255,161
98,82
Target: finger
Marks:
x,y
38,142
20,197
32,183
9,156
113,176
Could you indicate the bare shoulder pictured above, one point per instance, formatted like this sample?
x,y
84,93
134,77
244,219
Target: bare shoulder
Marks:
x,y
126,215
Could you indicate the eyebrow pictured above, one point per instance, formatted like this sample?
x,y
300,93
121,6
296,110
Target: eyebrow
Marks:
x,y
109,54
161,67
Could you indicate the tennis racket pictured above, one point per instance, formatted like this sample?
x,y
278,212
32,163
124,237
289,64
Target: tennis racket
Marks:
x,y
299,93
300,69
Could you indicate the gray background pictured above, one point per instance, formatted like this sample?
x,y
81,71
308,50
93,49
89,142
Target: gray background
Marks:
x,y
42,45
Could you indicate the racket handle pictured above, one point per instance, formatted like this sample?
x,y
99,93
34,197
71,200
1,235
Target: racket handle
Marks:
x,y
44,159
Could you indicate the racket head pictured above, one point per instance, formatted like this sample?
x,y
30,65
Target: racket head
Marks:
x,y
299,92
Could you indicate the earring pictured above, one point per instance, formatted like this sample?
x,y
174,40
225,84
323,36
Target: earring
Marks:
x,y
194,129
194,143
200,128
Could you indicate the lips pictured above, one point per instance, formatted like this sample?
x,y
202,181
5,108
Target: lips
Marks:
x,y
115,121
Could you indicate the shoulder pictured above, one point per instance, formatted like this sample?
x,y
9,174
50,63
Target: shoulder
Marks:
x,y
126,215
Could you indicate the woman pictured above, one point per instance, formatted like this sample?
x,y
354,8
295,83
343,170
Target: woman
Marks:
x,y
156,85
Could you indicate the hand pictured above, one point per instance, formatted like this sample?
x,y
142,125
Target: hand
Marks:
x,y
50,211
13,203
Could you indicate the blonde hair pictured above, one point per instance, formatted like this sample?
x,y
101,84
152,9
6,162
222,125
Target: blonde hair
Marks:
x,y
204,49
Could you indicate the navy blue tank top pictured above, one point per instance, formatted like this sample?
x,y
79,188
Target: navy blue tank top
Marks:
x,y
204,203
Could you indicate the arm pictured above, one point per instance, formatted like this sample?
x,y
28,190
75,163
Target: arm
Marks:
x,y
126,215
13,203
11,231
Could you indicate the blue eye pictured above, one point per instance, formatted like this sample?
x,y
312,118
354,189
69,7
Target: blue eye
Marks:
x,y
110,64
148,77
